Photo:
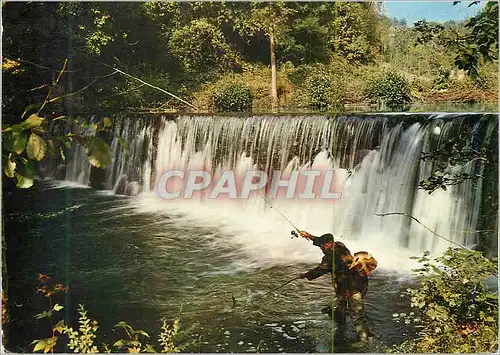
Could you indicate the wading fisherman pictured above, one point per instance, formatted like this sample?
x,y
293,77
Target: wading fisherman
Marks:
x,y
350,281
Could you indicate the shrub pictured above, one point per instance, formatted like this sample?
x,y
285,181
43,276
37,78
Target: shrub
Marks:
x,y
233,97
318,90
323,91
442,78
83,339
389,89
455,308
200,47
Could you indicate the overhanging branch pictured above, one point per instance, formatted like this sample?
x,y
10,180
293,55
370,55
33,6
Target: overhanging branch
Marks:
x,y
150,85
423,225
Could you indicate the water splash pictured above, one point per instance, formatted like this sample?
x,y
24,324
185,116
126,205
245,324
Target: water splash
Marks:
x,y
377,163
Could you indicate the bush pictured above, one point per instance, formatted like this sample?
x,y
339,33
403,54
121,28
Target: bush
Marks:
x,y
233,97
389,89
323,91
200,47
442,78
318,90
455,305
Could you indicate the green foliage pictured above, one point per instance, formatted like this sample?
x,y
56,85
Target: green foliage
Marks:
x,y
390,89
454,310
82,340
481,40
427,31
442,78
449,156
98,152
48,289
323,92
168,336
134,343
233,97
319,90
355,31
200,47
28,142
184,47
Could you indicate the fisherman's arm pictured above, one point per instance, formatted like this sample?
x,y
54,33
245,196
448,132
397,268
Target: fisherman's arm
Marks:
x,y
317,241
306,235
320,270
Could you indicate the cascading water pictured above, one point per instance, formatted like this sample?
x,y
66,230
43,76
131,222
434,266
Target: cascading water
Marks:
x,y
376,159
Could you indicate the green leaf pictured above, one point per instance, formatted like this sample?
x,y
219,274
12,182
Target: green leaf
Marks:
x,y
149,349
10,167
123,324
99,153
27,168
142,332
107,122
118,343
41,344
63,157
59,327
15,141
23,182
43,314
32,121
36,147
57,307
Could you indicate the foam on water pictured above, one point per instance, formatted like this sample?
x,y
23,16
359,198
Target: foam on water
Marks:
x,y
65,184
260,236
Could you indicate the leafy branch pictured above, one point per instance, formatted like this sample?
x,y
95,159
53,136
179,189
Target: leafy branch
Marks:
x,y
27,143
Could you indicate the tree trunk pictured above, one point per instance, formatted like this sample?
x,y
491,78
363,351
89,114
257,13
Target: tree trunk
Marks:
x,y
274,91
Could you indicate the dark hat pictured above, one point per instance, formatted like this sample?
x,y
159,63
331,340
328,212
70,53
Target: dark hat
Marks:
x,y
325,238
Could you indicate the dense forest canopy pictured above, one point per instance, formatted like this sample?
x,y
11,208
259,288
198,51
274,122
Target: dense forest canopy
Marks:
x,y
326,54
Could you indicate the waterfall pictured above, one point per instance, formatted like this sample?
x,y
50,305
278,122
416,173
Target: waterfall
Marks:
x,y
375,159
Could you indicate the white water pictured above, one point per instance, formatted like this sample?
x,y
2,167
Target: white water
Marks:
x,y
386,170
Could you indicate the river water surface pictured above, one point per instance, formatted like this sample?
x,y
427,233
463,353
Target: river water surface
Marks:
x,y
126,262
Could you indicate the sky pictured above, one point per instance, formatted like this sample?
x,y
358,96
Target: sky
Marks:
x,y
440,11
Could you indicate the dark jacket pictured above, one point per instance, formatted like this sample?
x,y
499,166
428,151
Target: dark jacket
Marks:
x,y
347,281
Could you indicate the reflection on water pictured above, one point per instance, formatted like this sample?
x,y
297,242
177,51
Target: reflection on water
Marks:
x,y
124,264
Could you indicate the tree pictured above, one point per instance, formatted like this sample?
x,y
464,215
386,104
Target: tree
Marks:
x,y
306,38
201,48
480,43
270,19
355,34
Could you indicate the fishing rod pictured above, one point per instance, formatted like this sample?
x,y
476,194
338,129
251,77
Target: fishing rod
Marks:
x,y
295,233
283,285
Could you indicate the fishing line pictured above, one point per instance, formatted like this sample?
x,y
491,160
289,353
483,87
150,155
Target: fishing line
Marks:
x,y
282,215
267,293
